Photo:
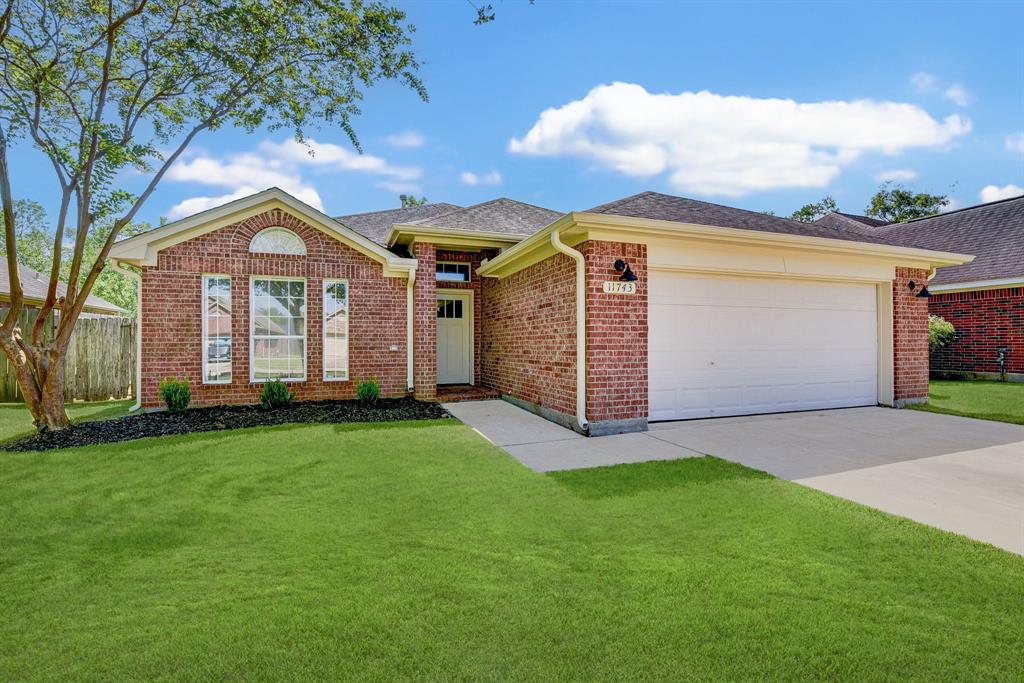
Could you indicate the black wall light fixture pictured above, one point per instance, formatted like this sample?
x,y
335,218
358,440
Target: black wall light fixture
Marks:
x,y
621,266
924,293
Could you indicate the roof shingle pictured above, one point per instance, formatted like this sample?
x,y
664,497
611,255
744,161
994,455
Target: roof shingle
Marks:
x,y
34,285
377,224
497,215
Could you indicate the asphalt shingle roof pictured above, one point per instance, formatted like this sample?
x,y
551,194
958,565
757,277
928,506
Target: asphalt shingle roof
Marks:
x,y
377,224
497,215
665,207
849,221
34,285
993,232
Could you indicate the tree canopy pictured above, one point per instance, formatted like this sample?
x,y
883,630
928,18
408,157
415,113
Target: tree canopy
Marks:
x,y
896,204
808,213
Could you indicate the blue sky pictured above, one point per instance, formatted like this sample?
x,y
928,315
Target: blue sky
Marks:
x,y
756,105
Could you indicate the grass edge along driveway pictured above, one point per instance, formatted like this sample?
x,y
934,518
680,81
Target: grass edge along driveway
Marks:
x,y
999,401
419,550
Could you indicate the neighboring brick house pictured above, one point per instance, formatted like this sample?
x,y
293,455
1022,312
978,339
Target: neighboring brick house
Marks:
x,y
652,307
984,299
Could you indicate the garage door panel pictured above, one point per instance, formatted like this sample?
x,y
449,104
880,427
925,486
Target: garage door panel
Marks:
x,y
724,345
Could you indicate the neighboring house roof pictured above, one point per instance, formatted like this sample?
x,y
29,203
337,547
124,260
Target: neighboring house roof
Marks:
x,y
993,232
657,206
849,221
377,224
34,285
497,215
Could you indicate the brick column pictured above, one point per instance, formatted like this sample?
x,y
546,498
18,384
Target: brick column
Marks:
x,y
910,337
425,322
616,340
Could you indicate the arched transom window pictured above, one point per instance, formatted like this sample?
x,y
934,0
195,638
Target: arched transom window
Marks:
x,y
277,241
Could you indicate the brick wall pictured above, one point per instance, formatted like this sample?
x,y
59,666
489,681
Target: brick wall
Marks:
x,y
616,334
172,312
910,337
528,345
425,321
984,321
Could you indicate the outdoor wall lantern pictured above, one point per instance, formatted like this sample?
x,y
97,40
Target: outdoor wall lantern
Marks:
x,y
924,293
627,275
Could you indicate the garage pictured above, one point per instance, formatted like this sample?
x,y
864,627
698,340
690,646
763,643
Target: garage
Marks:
x,y
724,345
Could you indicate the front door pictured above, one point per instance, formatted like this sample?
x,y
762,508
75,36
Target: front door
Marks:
x,y
454,337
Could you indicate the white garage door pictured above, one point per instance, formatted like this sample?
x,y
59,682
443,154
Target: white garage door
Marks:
x,y
724,345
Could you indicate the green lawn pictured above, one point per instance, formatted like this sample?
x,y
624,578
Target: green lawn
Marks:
x,y
1002,401
419,551
15,420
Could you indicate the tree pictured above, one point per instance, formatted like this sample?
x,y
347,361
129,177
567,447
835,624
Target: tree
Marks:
x,y
896,204
808,213
410,200
110,86
33,239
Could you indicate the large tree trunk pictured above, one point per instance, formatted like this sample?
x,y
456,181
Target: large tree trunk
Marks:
x,y
41,382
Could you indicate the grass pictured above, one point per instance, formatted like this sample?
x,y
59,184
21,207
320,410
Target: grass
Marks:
x,y
420,551
15,420
1000,401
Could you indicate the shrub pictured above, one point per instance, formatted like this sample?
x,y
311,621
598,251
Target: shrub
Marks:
x,y
276,394
940,332
175,393
368,391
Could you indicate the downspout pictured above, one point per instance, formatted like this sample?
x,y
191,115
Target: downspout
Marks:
x,y
581,327
132,275
409,326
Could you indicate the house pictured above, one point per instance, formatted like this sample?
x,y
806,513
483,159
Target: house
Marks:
x,y
34,285
652,307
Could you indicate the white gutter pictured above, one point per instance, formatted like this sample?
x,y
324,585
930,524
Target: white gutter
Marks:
x,y
999,283
138,329
409,325
581,327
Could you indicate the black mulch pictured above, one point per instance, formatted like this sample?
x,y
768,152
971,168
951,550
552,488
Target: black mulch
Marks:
x,y
226,417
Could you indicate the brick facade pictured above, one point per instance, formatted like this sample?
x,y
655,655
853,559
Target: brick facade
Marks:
x,y
984,320
172,312
425,321
910,337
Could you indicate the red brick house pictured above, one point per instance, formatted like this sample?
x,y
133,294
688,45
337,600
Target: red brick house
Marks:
x,y
652,307
984,299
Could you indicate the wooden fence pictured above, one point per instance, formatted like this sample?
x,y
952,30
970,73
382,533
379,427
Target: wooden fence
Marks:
x,y
100,361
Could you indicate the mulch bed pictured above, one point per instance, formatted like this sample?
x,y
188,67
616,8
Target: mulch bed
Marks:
x,y
226,417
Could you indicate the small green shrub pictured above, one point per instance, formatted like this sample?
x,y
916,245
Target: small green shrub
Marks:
x,y
276,394
940,332
368,391
175,393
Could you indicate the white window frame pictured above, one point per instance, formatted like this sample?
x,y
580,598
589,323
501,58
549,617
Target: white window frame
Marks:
x,y
469,272
206,331
252,329
348,328
275,228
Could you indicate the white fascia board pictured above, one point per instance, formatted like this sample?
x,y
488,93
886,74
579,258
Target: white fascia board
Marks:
x,y
999,283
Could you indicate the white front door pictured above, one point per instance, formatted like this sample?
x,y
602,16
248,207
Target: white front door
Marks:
x,y
721,345
454,337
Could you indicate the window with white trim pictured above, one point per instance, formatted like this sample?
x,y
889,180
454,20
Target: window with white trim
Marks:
x,y
216,329
335,330
277,240
277,329
452,272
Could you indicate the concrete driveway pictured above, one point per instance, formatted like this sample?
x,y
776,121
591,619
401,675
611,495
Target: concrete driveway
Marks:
x,y
954,473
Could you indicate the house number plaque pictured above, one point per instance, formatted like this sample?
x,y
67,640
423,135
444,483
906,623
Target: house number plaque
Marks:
x,y
617,287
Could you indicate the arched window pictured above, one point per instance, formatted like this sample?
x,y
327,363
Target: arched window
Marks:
x,y
277,241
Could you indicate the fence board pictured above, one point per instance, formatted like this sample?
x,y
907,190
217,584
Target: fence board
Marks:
x,y
100,361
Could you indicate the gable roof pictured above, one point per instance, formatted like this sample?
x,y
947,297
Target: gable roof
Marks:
x,y
377,224
34,285
497,215
848,221
993,232
664,207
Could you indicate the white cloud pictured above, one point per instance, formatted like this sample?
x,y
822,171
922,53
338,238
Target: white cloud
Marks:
x,y
896,175
489,178
952,205
714,144
993,193
1015,142
279,164
923,81
400,188
958,94
406,138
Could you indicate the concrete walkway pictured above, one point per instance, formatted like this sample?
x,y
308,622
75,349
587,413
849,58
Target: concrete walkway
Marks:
x,y
954,473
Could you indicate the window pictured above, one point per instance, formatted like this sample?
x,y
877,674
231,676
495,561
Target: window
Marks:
x,y
216,329
278,329
335,330
449,308
277,241
453,272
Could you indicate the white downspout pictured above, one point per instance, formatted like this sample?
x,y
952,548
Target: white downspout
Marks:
x,y
581,327
409,327
132,275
